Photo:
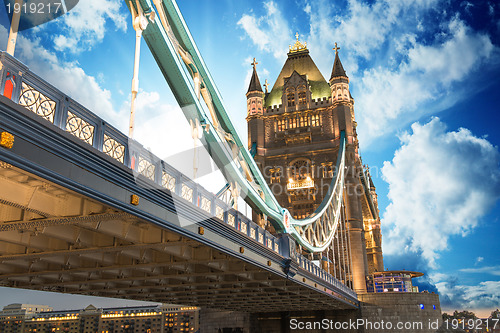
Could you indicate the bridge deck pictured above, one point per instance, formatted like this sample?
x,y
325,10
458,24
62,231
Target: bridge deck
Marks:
x,y
67,225
67,222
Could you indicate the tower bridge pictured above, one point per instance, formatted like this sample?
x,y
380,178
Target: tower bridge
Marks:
x,y
76,218
85,209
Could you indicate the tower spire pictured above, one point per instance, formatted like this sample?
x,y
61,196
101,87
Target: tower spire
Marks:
x,y
254,81
338,69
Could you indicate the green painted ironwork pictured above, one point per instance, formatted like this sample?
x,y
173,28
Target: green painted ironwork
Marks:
x,y
180,61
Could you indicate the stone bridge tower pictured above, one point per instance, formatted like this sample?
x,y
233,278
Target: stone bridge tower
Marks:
x,y
294,135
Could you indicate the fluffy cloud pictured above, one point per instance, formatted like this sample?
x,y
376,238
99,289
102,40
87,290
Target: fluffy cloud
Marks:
x,y
151,113
269,32
402,65
440,184
173,144
485,295
66,76
85,25
423,83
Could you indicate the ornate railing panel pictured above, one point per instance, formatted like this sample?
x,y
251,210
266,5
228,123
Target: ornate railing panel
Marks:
x,y
113,148
80,128
146,168
37,102
168,181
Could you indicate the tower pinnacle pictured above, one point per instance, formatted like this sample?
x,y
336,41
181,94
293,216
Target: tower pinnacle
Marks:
x,y
336,48
338,69
254,81
298,46
254,63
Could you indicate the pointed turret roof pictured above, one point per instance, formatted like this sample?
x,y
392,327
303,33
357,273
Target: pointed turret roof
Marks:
x,y
254,81
338,69
371,182
301,62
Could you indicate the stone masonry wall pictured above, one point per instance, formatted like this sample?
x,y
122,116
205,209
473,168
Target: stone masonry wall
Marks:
x,y
401,309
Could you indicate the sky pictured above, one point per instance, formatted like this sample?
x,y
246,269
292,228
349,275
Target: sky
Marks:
x,y
425,77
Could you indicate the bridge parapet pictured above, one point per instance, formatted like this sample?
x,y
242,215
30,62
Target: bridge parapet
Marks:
x,y
27,89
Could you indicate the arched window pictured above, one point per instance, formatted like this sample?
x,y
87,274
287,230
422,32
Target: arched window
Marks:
x,y
315,120
302,121
280,125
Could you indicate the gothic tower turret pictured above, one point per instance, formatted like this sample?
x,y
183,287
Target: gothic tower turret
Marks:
x,y
294,133
341,98
255,98
343,113
373,234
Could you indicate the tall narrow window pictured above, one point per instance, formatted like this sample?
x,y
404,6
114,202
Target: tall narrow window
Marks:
x,y
327,170
275,175
280,125
302,95
302,98
315,121
302,121
290,96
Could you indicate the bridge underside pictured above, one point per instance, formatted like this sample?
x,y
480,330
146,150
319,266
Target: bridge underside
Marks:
x,y
56,240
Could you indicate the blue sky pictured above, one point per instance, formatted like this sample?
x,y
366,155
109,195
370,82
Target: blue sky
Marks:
x,y
425,78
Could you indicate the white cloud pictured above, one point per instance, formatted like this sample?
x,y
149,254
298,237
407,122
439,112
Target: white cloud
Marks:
x,y
163,129
85,24
440,184
422,84
160,127
485,295
415,68
493,270
364,31
68,77
269,32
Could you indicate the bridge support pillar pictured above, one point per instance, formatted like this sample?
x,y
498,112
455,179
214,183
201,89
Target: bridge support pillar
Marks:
x,y
356,233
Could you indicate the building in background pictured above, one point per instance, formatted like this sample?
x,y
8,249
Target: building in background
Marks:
x,y
392,281
13,316
24,318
